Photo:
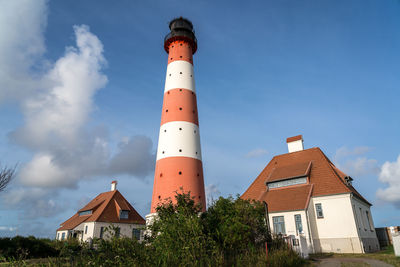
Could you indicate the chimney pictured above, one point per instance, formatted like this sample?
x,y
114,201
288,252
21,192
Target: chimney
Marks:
x,y
295,143
114,185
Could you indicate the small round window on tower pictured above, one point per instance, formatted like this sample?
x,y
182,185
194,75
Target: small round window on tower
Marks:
x,y
159,197
180,56
180,173
166,110
170,74
163,152
180,129
180,72
180,108
180,90
165,131
171,58
198,174
160,174
181,44
190,75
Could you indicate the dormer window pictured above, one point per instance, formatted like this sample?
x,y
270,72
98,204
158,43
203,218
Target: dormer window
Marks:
x,y
289,175
288,182
123,214
85,212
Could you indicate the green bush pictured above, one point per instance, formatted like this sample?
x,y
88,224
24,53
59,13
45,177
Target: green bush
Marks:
x,y
231,233
20,247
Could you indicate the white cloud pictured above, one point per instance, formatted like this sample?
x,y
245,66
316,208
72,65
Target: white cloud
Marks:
x,y
7,228
354,162
56,100
390,175
255,153
22,24
55,117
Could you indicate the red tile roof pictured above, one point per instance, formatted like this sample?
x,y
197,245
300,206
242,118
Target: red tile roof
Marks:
x,y
291,171
323,175
105,208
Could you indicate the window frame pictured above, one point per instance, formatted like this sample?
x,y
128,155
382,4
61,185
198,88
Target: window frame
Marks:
x,y
101,232
136,233
318,208
121,212
86,228
369,221
298,224
279,224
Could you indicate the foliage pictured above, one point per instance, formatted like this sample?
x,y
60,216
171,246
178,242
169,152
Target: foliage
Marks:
x,y
231,233
237,226
26,247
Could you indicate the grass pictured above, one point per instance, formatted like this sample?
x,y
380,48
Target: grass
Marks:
x,y
385,255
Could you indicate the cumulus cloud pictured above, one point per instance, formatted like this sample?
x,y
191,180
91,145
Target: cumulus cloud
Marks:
x,y
22,23
135,157
390,175
255,153
56,100
35,202
56,116
354,162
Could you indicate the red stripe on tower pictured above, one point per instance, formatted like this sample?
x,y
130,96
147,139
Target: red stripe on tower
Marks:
x,y
179,166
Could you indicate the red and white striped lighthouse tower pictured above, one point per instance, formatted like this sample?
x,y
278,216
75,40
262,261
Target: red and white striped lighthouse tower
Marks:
x,y
179,162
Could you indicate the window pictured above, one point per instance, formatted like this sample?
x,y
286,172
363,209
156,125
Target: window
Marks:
x,y
279,225
123,214
356,216
117,232
62,236
299,225
86,229
362,220
85,212
371,227
136,233
101,232
58,236
318,209
301,180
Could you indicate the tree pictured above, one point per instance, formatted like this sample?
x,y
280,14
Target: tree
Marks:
x,y
6,175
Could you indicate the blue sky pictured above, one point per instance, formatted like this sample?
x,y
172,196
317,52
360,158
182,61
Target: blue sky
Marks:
x,y
265,71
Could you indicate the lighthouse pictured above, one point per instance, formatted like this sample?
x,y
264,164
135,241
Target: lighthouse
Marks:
x,y
179,164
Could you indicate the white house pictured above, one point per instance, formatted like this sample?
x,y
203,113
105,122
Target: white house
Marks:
x,y
107,214
313,203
